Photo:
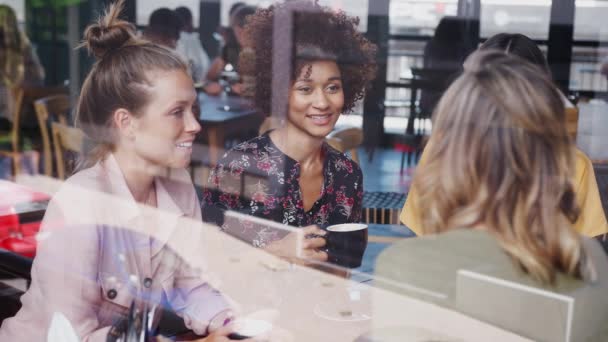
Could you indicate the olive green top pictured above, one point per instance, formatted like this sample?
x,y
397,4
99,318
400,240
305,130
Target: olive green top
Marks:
x,y
467,270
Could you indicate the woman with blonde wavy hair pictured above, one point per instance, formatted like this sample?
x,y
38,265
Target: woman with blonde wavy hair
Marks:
x,y
495,191
501,162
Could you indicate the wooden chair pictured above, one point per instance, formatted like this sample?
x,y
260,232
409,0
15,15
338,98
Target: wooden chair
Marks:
x,y
572,121
54,108
23,99
65,139
346,139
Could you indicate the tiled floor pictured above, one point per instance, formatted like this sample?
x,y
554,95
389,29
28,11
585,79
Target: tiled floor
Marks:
x,y
382,173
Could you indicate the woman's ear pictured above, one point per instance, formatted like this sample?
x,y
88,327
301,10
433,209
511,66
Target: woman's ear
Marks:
x,y
125,123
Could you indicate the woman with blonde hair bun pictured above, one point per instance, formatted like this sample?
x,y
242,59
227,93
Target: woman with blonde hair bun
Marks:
x,y
103,245
496,193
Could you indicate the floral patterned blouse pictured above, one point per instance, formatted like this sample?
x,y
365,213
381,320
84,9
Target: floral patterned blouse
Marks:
x,y
256,178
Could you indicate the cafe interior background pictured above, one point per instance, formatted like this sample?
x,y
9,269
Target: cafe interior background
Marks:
x,y
387,129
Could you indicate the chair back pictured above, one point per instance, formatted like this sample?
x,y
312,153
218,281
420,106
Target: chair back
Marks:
x,y
346,139
17,94
66,139
54,108
572,121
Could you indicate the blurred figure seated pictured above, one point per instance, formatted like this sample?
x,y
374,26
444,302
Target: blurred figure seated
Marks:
x,y
190,47
443,57
226,65
496,191
163,28
19,64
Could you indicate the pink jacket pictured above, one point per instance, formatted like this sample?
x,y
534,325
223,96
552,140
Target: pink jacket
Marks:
x,y
96,256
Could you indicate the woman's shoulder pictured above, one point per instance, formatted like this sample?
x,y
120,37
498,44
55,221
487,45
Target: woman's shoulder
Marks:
x,y
92,178
242,154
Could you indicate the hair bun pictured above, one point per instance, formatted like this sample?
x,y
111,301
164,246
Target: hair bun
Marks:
x,y
109,32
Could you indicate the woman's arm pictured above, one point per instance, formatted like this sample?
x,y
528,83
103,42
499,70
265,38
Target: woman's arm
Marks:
x,y
213,74
195,300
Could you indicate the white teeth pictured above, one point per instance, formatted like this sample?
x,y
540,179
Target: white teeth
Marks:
x,y
185,144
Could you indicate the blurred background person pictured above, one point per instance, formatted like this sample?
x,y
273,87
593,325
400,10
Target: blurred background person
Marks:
x,y
442,59
228,60
190,47
163,28
19,64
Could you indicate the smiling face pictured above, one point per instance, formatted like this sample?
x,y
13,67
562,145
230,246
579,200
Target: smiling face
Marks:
x,y
316,99
165,131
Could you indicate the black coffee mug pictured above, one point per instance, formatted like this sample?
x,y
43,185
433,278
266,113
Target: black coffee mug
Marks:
x,y
345,244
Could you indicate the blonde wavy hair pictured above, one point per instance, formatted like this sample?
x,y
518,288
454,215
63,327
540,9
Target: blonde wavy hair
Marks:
x,y
500,159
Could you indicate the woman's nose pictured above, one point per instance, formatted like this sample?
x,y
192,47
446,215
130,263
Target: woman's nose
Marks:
x,y
320,100
192,125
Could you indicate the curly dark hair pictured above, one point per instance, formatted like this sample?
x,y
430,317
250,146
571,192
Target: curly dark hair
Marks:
x,y
318,33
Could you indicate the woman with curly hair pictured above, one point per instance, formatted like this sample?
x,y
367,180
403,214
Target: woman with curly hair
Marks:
x,y
297,178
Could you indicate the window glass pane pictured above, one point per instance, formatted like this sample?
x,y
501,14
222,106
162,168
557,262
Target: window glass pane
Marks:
x,y
352,7
585,70
419,17
145,8
590,20
529,17
589,25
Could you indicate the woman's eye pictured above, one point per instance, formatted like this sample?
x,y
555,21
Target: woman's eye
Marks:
x,y
304,89
333,88
178,113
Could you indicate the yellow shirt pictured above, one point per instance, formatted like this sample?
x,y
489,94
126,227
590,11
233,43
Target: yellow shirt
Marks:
x,y
591,222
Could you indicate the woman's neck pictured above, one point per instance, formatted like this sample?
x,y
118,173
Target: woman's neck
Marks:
x,y
139,179
297,145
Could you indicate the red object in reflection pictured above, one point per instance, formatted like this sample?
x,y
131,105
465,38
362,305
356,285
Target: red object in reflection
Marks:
x,y
9,222
21,210
30,229
25,246
404,148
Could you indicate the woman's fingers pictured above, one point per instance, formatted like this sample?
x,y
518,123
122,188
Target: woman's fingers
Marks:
x,y
316,255
313,230
313,243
